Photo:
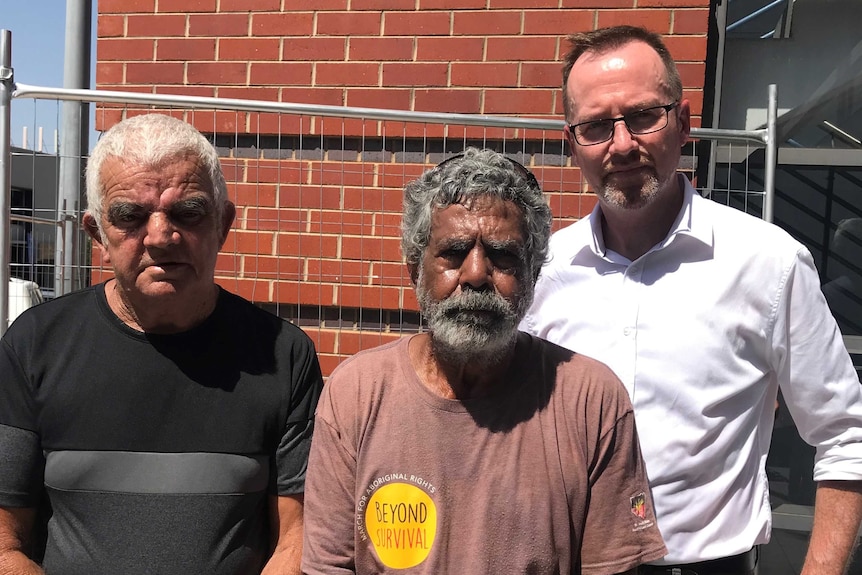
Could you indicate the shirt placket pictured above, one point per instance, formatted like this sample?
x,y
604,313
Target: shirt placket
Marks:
x,y
629,310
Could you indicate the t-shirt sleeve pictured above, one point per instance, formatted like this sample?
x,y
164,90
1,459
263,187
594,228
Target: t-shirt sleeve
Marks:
x,y
23,466
620,529
330,512
305,386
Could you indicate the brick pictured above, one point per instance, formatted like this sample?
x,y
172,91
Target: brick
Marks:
x,y
340,127
255,218
285,24
349,23
449,49
355,341
388,98
278,172
558,22
248,5
655,20
396,176
374,199
350,73
673,3
498,4
303,293
686,48
315,5
109,73
695,101
313,49
249,93
187,6
541,75
341,222
124,49
250,289
482,74
207,92
486,23
127,6
110,26
323,339
414,74
281,73
156,25
598,3
328,363
311,197
266,49
322,96
186,49
520,101
447,100
253,194
340,175
306,245
155,72
272,268
416,23
692,74
218,25
408,300
380,49
377,5
336,271
369,297
253,242
217,73
690,21
522,48
391,274
224,121
451,4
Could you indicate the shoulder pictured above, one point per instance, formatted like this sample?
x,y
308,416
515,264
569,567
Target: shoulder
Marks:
x,y
733,225
581,378
371,364
70,308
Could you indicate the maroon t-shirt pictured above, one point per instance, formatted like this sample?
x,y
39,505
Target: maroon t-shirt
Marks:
x,y
544,476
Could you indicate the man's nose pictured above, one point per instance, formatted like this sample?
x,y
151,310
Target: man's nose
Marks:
x,y
476,269
161,232
622,141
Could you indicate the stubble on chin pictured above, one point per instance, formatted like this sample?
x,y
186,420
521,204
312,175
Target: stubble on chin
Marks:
x,y
630,197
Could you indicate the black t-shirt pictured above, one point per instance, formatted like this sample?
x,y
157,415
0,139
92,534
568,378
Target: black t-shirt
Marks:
x,y
157,453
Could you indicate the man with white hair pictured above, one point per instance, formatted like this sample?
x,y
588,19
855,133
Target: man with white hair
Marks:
x,y
163,420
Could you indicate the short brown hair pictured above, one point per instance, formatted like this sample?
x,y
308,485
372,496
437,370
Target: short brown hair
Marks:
x,y
606,39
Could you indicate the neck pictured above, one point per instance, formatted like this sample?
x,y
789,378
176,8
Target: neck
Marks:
x,y
470,379
159,314
633,232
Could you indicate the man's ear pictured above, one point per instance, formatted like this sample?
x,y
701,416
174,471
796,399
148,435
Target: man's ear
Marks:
x,y
684,116
228,216
91,226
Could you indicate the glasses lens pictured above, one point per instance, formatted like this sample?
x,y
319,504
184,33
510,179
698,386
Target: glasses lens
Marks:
x,y
594,132
646,121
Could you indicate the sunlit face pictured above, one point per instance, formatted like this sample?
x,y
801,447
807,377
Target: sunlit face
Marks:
x,y
161,231
628,171
472,283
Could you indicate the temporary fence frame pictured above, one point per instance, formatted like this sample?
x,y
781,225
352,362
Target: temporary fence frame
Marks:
x,y
9,89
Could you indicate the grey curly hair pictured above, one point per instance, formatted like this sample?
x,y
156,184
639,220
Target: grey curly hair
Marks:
x,y
473,174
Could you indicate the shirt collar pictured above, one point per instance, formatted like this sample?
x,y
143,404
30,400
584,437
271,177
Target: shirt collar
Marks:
x,y
685,224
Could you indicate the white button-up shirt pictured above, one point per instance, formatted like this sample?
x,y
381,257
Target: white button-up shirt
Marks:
x,y
702,330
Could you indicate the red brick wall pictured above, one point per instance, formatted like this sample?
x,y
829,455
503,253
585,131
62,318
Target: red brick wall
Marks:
x,y
318,228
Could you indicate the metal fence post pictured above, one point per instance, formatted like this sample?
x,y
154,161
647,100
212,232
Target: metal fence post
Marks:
x,y
6,88
771,157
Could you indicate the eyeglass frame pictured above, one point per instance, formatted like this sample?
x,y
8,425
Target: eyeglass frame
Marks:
x,y
666,107
522,170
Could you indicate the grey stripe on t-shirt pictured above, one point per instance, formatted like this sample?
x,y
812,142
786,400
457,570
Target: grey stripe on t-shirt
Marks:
x,y
166,473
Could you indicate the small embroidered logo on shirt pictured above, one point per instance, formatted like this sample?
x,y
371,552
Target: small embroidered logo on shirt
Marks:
x,y
639,505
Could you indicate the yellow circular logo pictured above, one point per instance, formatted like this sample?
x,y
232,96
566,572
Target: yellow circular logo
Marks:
x,y
401,521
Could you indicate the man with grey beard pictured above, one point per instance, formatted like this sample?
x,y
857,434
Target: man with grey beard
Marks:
x,y
473,448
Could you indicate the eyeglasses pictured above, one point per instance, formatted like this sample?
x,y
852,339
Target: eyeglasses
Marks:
x,y
638,123
519,168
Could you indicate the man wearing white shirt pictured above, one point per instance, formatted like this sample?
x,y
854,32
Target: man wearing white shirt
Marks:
x,y
703,312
